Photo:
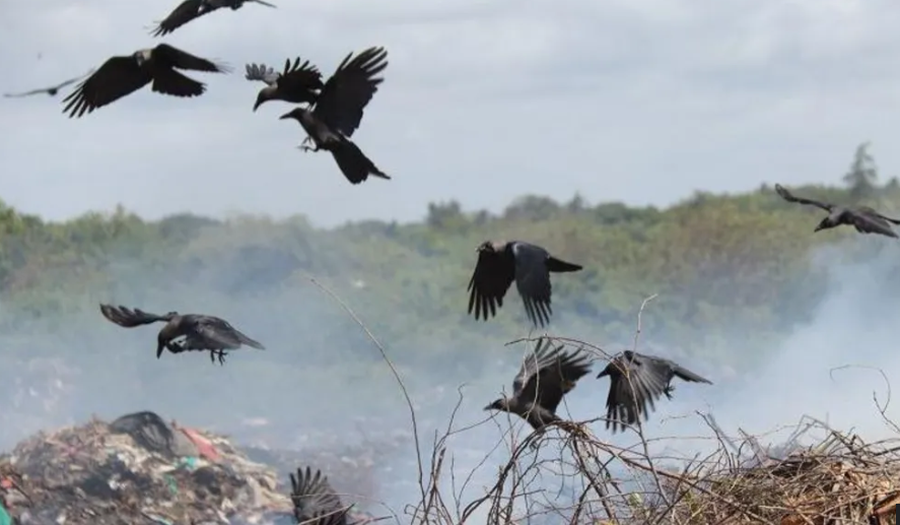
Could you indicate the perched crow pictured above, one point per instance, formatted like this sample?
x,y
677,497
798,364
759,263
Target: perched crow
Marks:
x,y
52,91
315,502
200,332
122,75
863,218
499,264
649,378
545,377
298,83
191,9
338,110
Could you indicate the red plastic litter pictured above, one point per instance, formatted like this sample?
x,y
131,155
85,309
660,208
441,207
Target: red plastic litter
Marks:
x,y
204,447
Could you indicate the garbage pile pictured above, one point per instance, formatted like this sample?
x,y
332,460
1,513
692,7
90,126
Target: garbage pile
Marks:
x,y
138,469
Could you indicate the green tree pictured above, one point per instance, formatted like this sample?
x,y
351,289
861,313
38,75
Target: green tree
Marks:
x,y
862,177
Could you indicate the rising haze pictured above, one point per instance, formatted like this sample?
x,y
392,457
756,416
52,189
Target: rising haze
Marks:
x,y
641,102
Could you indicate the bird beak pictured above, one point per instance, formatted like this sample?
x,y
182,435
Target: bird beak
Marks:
x,y
255,105
818,227
601,374
159,350
489,407
286,115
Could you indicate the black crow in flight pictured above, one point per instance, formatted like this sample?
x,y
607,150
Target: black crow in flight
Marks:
x,y
338,110
298,83
649,377
191,9
122,75
499,264
863,218
52,91
546,375
200,332
315,502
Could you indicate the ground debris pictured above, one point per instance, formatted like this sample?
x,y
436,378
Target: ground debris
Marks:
x,y
837,479
138,469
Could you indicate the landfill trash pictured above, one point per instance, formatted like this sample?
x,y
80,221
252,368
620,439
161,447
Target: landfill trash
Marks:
x,y
139,469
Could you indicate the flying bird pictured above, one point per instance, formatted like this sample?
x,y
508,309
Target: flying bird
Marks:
x,y
315,502
52,91
649,377
191,9
529,265
200,332
122,75
338,111
546,375
863,218
298,83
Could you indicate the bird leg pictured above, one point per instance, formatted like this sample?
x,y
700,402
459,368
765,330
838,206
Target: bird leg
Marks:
x,y
217,353
304,147
668,390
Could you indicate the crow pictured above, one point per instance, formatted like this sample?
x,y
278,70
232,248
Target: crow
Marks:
x,y
863,218
298,83
649,377
191,9
122,75
52,91
499,264
315,502
546,375
338,111
200,332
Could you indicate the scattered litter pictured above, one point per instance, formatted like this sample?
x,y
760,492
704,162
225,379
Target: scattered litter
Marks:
x,y
137,469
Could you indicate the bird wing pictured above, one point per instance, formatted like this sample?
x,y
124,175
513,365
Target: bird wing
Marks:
x,y
885,217
183,60
790,197
547,374
128,318
867,220
27,93
214,333
71,80
491,279
184,13
345,95
533,281
635,383
262,73
300,80
117,77
314,498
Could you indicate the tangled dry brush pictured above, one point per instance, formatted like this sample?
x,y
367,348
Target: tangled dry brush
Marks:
x,y
831,478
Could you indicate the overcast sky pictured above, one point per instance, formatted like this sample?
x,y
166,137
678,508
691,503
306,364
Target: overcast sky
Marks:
x,y
642,101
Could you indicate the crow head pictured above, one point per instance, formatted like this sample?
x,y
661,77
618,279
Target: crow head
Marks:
x,y
295,114
499,404
826,223
486,246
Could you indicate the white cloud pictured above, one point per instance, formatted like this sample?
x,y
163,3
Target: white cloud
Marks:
x,y
639,100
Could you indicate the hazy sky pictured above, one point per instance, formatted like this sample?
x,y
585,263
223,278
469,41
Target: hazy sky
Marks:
x,y
484,100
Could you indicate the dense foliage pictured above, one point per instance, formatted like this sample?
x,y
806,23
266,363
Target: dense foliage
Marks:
x,y
731,272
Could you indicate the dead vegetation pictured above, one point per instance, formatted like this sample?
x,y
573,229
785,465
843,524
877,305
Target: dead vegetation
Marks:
x,y
818,476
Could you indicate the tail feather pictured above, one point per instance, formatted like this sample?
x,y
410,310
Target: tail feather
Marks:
x,y
687,375
249,341
558,265
353,163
